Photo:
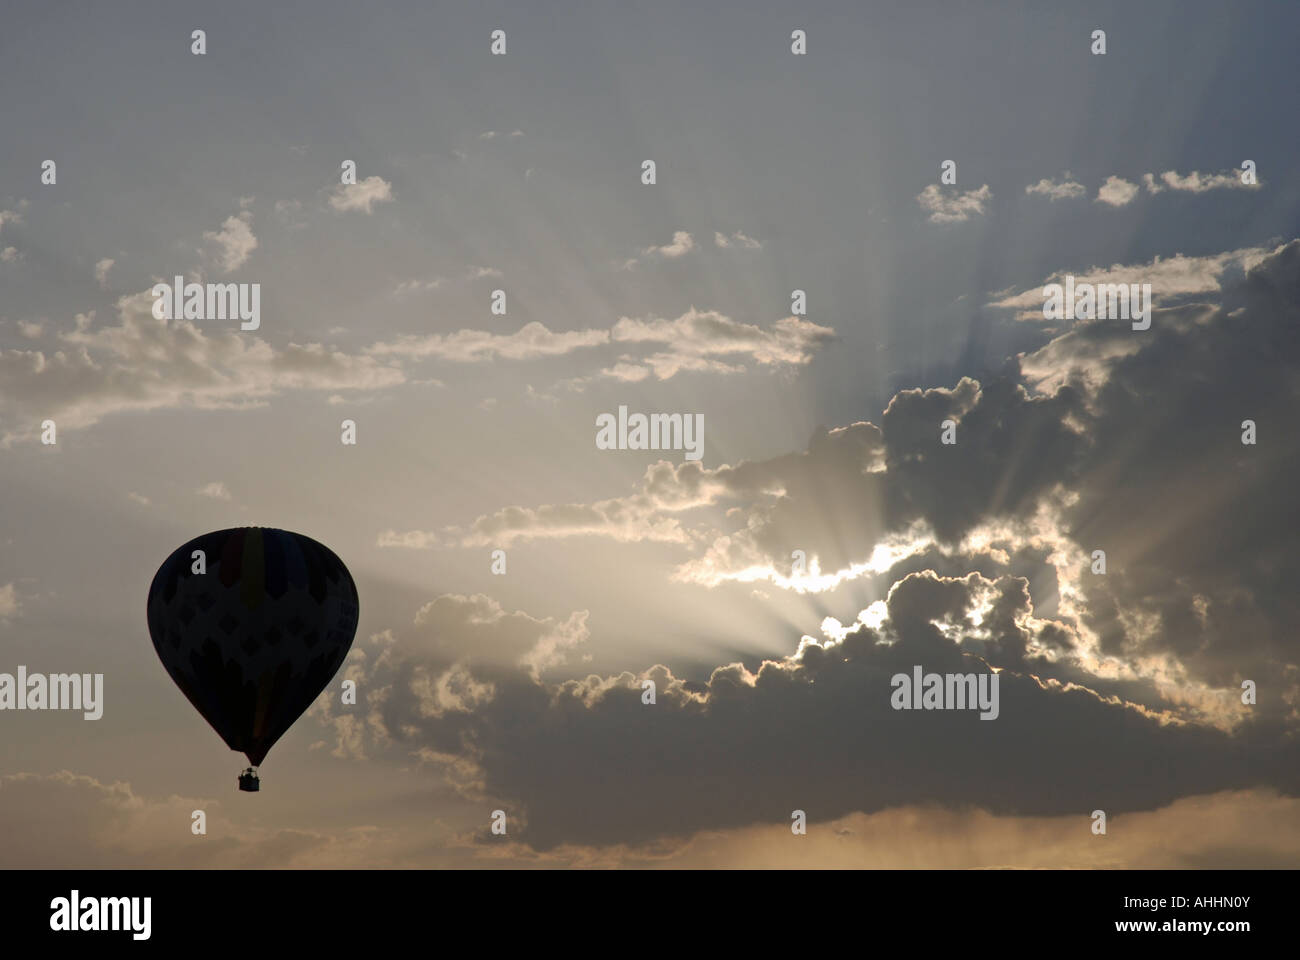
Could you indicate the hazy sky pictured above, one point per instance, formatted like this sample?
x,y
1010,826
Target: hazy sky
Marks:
x,y
476,431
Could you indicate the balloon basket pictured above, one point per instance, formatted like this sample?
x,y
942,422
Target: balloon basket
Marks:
x,y
248,781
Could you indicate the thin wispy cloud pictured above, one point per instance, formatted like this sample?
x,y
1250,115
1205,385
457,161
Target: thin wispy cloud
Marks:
x,y
215,491
141,363
737,239
1064,189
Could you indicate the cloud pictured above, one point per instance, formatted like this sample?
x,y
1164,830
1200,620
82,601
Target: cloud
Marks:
x,y
235,241
628,519
71,821
31,329
105,265
411,540
1065,190
139,498
682,244
738,239
478,273
409,287
450,638
627,370
286,211
930,837
461,688
667,490
216,490
361,196
1171,278
954,207
10,254
1195,182
694,341
1116,191
1061,453
143,363
66,820
8,601
698,335
468,346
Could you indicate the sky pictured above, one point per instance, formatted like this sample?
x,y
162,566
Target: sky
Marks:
x,y
775,172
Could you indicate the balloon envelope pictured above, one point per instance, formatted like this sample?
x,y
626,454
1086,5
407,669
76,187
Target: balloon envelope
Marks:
x,y
254,639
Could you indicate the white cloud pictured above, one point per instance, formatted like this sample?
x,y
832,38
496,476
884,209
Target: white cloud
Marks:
x,y
8,601
1065,190
361,196
105,265
1194,182
1116,191
409,287
626,371
411,539
682,244
698,340
1170,277
286,211
738,238
632,519
235,240
478,273
10,254
31,330
139,498
955,207
143,363
697,335
216,490
466,346
666,489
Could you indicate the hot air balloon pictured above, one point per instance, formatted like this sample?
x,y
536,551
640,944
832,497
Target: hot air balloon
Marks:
x,y
255,637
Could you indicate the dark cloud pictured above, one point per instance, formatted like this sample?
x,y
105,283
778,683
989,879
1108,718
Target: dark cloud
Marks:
x,y
1200,529
1140,455
1011,449
586,762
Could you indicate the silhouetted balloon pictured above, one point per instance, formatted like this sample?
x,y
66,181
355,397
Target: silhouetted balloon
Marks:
x,y
255,639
